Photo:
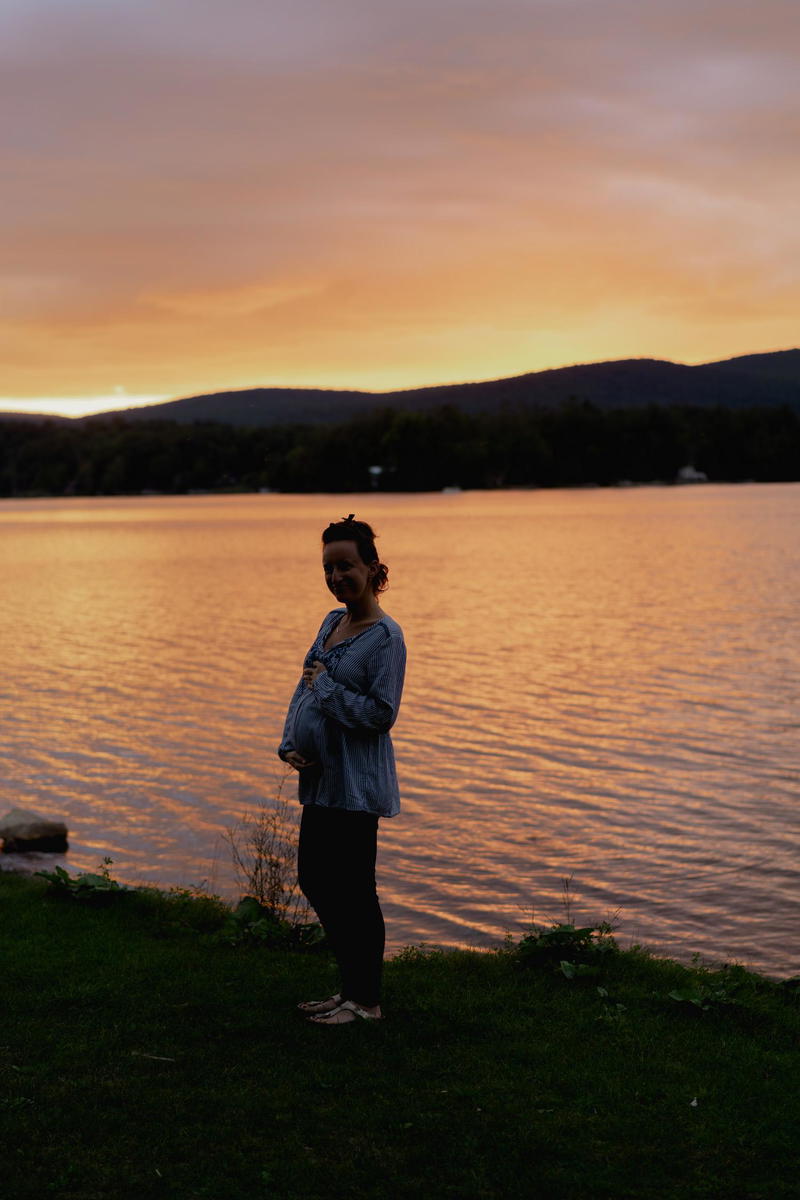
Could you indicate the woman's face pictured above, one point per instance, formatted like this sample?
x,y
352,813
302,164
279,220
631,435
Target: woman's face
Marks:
x,y
345,574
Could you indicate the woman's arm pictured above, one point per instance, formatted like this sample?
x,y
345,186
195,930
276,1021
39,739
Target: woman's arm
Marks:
x,y
375,710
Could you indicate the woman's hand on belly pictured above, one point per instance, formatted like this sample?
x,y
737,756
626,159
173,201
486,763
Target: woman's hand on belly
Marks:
x,y
311,673
297,761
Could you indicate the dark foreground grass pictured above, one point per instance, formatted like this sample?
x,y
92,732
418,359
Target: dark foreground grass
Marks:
x,y
144,1057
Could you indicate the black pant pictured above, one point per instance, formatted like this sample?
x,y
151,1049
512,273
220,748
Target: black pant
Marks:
x,y
336,873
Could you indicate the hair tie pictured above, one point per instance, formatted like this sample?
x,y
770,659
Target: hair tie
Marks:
x,y
350,519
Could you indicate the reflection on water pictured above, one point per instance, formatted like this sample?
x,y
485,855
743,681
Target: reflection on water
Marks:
x,y
601,684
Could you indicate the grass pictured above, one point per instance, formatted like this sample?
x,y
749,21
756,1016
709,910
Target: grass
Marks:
x,y
145,1056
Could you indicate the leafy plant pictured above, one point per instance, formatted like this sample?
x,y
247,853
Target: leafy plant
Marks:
x,y
704,997
613,1013
574,951
254,922
264,852
91,888
571,970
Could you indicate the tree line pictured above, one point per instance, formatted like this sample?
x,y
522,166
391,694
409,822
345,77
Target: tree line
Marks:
x,y
577,443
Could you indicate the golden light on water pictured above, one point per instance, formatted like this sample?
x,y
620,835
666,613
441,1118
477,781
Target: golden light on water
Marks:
x,y
596,689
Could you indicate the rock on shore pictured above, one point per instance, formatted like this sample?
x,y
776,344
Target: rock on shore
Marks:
x,y
22,830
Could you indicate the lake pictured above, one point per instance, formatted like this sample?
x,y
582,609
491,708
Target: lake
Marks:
x,y
602,688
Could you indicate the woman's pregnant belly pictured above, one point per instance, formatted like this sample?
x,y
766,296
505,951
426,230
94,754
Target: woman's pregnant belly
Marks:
x,y
309,729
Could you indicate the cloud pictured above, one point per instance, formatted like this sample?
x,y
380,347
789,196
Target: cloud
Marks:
x,y
234,302
336,169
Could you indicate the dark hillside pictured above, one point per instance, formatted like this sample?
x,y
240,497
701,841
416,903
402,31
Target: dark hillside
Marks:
x,y
259,406
751,381
33,418
763,379
754,380
781,365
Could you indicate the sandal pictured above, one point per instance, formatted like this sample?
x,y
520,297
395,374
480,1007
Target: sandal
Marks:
x,y
320,1006
344,1014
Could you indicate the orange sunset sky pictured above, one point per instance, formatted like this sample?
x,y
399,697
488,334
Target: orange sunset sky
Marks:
x,y
209,194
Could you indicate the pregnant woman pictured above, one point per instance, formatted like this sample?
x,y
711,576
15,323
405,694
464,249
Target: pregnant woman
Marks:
x,y
337,738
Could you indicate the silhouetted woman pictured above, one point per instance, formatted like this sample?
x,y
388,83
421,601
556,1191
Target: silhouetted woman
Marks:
x,y
337,737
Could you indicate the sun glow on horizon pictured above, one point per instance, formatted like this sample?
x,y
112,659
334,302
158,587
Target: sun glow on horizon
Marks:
x,y
82,406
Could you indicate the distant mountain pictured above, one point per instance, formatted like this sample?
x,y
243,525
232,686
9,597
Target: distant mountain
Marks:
x,y
751,380
781,365
261,406
26,416
756,379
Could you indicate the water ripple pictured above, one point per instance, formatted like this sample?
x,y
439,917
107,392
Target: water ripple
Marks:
x,y
602,686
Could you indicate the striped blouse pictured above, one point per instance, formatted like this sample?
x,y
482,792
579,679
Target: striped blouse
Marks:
x,y
342,722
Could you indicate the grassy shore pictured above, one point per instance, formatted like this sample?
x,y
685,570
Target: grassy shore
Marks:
x,y
144,1055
